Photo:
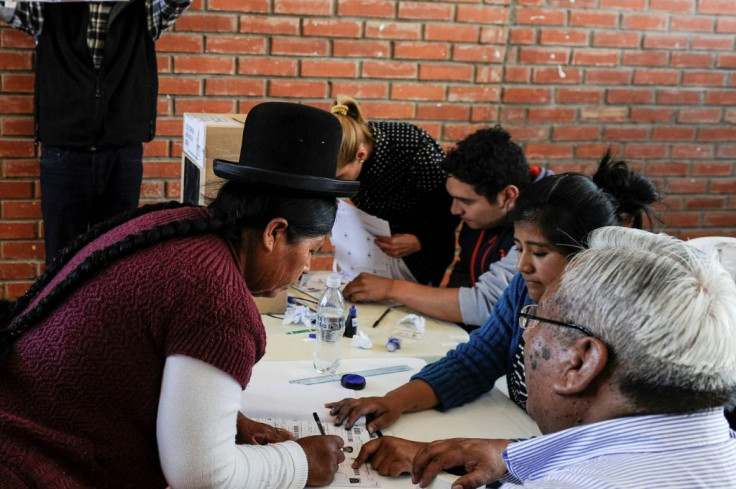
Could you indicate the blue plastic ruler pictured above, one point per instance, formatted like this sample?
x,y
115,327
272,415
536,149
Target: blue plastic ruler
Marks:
x,y
365,373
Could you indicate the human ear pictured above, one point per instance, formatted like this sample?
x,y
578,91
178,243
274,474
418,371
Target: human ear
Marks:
x,y
581,364
507,197
362,153
274,231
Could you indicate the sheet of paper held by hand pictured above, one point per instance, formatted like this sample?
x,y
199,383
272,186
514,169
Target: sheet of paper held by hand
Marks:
x,y
354,438
353,236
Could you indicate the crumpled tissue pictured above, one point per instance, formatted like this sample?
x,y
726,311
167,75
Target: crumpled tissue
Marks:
x,y
361,340
413,322
298,314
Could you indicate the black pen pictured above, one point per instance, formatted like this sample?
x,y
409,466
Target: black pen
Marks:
x,y
319,423
388,309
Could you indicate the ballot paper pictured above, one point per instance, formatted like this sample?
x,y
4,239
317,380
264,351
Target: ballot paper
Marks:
x,y
346,476
353,236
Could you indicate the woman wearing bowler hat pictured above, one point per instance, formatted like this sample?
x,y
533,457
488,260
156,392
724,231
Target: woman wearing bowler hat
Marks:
x,y
123,364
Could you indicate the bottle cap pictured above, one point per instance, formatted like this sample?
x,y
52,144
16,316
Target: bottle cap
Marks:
x,y
393,343
353,381
333,281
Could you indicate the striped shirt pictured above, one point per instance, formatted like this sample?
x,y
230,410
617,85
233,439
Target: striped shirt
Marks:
x,y
695,450
28,16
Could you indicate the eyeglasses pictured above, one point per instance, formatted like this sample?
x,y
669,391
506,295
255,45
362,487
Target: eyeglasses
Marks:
x,y
530,312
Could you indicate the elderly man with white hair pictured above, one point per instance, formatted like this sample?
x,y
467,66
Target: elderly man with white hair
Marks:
x,y
630,359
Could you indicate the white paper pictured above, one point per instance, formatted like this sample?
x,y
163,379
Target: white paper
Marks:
x,y
353,237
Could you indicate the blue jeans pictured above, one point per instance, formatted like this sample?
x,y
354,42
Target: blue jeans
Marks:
x,y
81,187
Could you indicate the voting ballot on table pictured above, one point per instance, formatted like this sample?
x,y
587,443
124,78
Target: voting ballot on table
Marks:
x,y
271,396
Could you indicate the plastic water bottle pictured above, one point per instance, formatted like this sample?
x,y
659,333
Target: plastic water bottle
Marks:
x,y
330,328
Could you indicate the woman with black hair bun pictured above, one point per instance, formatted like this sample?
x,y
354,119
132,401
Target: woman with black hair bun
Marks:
x,y
552,220
123,365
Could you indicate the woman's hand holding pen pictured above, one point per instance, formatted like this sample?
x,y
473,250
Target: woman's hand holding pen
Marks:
x,y
324,455
368,288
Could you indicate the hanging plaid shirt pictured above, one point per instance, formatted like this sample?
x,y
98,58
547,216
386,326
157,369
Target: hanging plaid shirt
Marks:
x,y
28,16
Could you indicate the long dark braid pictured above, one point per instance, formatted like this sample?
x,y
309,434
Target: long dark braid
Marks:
x,y
99,260
11,309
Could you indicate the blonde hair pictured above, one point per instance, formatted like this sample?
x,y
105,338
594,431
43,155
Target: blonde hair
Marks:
x,y
355,130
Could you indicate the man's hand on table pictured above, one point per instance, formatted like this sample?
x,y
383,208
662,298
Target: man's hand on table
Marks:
x,y
382,412
479,458
388,455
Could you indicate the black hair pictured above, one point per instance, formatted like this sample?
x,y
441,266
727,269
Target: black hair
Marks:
x,y
237,206
489,161
568,206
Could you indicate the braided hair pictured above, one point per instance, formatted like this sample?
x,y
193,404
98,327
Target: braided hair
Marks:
x,y
237,206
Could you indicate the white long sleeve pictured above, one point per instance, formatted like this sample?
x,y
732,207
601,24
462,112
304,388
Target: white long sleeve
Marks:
x,y
196,429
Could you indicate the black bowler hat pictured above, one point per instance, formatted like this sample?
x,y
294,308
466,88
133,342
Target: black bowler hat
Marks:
x,y
290,147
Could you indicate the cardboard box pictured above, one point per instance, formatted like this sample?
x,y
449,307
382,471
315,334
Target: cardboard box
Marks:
x,y
207,137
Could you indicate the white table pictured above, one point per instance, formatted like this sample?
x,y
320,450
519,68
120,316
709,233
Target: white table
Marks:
x,y
438,338
492,416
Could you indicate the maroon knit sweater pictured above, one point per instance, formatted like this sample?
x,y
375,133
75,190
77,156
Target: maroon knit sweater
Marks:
x,y
79,394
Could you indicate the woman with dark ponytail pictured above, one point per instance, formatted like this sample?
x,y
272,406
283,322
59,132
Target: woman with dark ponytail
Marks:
x,y
123,365
552,220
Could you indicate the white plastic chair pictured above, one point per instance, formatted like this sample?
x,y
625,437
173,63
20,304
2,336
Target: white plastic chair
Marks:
x,y
722,247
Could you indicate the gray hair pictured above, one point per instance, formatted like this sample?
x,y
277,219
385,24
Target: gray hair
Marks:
x,y
666,310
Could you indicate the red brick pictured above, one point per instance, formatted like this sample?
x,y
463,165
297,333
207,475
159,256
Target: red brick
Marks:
x,y
361,49
563,37
389,69
681,219
482,14
522,95
656,77
583,18
542,115
16,126
629,96
243,87
692,60
704,203
474,93
703,78
417,91
208,22
18,104
665,41
626,133
645,58
644,22
595,57
716,7
170,85
579,95
517,74
679,97
494,35
19,209
686,185
173,190
720,97
19,169
161,169
302,7
158,148
483,113
18,230
366,8
22,249
479,54
720,219
512,115
692,151
261,6
258,24
10,189
673,6
673,133
451,33
388,110
691,24
544,56
268,66
713,43
421,50
575,133
616,39
624,4
206,106
603,114
712,169
169,127
548,151
647,115
608,76
453,72
425,10
727,151
727,60
204,64
723,186
536,16
174,42
329,68
529,133
667,168
699,116
12,38
330,28
557,76
393,30
16,148
360,89
718,134
518,35
297,89
726,24
17,83
443,112
10,61
299,47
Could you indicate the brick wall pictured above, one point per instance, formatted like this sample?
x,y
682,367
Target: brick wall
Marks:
x,y
655,79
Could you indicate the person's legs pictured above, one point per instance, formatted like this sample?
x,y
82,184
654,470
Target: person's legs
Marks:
x,y
66,191
118,177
